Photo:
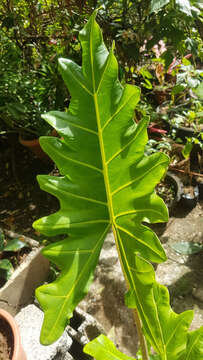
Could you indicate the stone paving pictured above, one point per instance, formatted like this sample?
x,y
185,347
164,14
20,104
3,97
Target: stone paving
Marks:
x,y
183,274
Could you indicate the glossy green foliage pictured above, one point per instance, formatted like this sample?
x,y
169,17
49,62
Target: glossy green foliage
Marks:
x,y
166,331
15,245
194,349
157,5
106,181
6,246
6,269
102,348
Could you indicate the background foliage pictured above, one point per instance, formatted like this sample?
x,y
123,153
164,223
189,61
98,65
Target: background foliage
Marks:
x,y
34,33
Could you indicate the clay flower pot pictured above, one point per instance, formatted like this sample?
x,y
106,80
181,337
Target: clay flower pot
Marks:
x,y
34,146
8,325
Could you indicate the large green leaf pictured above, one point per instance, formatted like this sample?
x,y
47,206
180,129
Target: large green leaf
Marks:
x,y
106,181
194,349
103,348
165,330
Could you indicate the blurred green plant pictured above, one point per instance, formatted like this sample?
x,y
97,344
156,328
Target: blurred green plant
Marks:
x,y
8,247
187,247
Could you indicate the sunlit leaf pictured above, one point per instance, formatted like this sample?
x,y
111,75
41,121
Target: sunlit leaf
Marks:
x,y
165,330
106,181
157,5
15,245
199,90
102,348
187,149
184,6
194,349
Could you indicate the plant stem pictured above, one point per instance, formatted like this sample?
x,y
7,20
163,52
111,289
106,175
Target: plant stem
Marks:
x,y
138,324
143,344
186,172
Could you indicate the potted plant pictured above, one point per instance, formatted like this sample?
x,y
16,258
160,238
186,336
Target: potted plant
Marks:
x,y
22,268
185,110
24,96
10,256
187,120
10,343
106,184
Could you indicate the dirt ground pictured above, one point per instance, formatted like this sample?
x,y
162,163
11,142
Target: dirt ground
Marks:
x,y
22,202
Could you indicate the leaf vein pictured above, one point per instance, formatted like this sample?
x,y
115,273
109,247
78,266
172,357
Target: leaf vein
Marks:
x,y
82,163
143,175
82,127
125,146
136,211
117,112
105,69
136,238
84,198
134,288
81,84
78,279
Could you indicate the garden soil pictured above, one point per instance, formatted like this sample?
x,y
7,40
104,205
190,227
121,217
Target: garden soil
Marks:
x,y
22,202
6,341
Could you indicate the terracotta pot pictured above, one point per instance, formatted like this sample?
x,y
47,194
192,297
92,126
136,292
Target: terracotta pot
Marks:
x,y
18,352
35,147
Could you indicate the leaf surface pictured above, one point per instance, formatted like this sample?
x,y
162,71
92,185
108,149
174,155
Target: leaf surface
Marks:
x,y
102,348
15,245
105,180
194,349
184,6
165,330
6,269
157,5
187,247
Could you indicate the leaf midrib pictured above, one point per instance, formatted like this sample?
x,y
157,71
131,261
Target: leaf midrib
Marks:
x,y
101,142
135,290
105,170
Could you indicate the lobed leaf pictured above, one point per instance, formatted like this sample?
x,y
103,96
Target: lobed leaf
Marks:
x,y
194,349
105,181
165,330
103,348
